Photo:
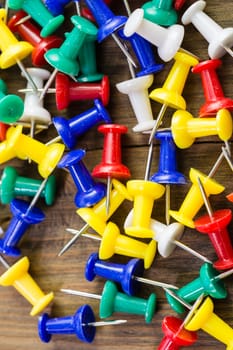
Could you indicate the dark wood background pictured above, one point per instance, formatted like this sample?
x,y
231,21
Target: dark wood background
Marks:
x,y
41,243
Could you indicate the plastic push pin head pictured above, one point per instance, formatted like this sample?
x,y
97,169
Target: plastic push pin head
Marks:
x,y
17,276
160,12
77,324
56,7
11,106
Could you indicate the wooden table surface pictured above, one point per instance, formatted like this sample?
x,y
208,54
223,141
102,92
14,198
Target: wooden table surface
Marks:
x,y
42,242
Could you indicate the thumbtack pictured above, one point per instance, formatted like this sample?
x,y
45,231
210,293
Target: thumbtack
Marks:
x,y
185,128
144,194
89,192
110,165
193,200
127,275
166,236
214,224
208,283
12,50
17,276
39,13
13,185
167,170
220,40
112,301
96,216
82,324
178,4
3,129
70,130
23,146
108,24
175,336
29,32
56,7
213,92
167,40
85,12
64,58
160,12
11,106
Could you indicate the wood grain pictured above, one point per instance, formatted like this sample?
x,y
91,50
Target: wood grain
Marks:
x,y
41,243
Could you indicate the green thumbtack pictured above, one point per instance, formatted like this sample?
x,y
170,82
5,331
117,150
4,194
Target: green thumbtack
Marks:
x,y
160,12
11,106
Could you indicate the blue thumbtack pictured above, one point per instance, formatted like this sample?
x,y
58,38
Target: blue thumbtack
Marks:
x,y
70,130
89,192
77,324
167,173
56,7
144,53
22,218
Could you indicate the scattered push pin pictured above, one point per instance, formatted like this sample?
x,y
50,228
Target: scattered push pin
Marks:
x,y
209,283
112,301
167,170
215,99
34,113
64,58
167,237
108,24
23,146
175,336
220,40
11,106
178,4
185,128
215,225
29,32
12,50
96,216
128,275
70,130
82,324
13,185
111,166
39,13
167,40
17,276
194,200
160,12
56,7
144,194
89,192
3,130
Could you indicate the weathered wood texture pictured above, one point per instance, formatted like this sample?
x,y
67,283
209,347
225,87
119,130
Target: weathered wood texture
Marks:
x,y
18,330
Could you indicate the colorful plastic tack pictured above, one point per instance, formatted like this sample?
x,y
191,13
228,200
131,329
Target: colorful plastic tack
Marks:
x,y
35,115
207,283
137,91
167,40
215,99
13,185
21,219
193,200
17,276
204,318
11,106
40,14
77,324
144,194
113,242
160,12
112,301
97,216
220,40
56,7
29,32
85,12
129,276
22,146
185,128
70,130
175,336
89,192
216,228
3,129
178,4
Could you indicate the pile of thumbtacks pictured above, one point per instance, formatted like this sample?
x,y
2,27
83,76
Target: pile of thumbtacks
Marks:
x,y
29,30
